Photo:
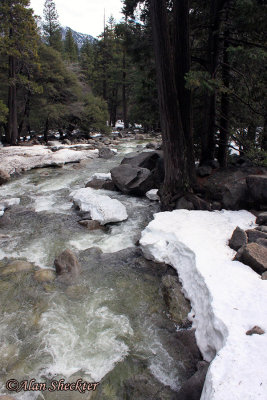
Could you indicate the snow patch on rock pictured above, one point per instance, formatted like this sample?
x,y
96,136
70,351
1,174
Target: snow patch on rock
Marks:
x,y
23,158
101,208
101,176
228,298
153,195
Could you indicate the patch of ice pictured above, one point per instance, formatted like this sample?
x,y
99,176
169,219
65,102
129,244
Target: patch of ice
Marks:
x,y
101,208
228,298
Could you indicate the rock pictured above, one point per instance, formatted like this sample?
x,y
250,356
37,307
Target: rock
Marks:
x,y
101,208
204,170
184,204
257,188
7,397
67,141
262,242
262,218
253,235
45,275
187,339
101,181
238,239
192,202
91,225
178,306
147,160
254,256
255,331
67,263
262,228
264,276
4,177
17,266
106,153
153,195
192,389
132,180
152,145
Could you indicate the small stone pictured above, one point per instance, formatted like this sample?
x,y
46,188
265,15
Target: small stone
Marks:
x,y
45,275
255,331
238,239
67,263
264,276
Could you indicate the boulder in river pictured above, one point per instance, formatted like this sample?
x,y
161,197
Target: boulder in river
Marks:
x,y
4,177
132,180
153,195
101,181
106,153
67,263
17,266
101,208
45,275
192,389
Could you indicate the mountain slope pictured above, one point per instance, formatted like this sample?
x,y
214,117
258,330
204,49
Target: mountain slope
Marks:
x,y
77,36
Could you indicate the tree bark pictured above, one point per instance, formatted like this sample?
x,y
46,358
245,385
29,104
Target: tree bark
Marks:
x,y
182,65
124,97
46,129
12,131
225,107
177,177
208,141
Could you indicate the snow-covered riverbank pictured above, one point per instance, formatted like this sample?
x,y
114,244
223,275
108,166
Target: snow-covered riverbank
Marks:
x,y
24,158
227,297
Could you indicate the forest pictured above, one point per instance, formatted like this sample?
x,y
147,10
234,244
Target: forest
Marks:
x,y
193,70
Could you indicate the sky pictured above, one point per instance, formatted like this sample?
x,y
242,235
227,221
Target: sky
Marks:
x,y
85,16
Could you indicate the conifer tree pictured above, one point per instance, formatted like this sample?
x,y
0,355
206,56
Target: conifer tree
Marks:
x,y
51,26
18,43
70,47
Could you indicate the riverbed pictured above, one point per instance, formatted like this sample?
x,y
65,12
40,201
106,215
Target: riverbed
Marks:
x,y
112,324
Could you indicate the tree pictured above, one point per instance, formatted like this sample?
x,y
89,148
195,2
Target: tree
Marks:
x,y
18,42
51,26
70,47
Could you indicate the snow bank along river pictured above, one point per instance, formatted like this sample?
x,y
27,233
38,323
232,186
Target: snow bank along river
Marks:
x,y
228,298
114,318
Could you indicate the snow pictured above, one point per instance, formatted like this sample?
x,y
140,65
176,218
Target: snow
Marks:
x,y
101,208
101,176
153,195
24,158
228,298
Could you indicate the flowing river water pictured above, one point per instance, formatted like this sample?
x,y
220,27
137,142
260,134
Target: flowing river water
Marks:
x,y
111,325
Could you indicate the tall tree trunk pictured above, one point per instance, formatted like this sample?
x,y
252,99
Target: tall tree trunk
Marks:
x,y
182,65
177,177
225,106
209,142
264,135
12,103
24,124
124,98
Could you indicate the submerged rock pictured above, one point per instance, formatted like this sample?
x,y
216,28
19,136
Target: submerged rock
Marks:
x,y
101,208
4,177
17,266
67,264
45,275
178,306
91,225
192,389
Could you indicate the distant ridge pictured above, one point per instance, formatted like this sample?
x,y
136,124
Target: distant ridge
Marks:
x,y
77,36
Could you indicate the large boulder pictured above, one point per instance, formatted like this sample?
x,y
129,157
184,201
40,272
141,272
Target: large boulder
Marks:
x,y
106,153
147,159
257,189
100,208
253,255
4,177
132,180
67,264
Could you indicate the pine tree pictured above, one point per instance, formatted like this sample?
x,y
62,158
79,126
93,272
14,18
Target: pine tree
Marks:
x,y
18,42
70,47
51,26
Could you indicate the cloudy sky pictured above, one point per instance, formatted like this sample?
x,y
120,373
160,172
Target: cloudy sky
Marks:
x,y
85,16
